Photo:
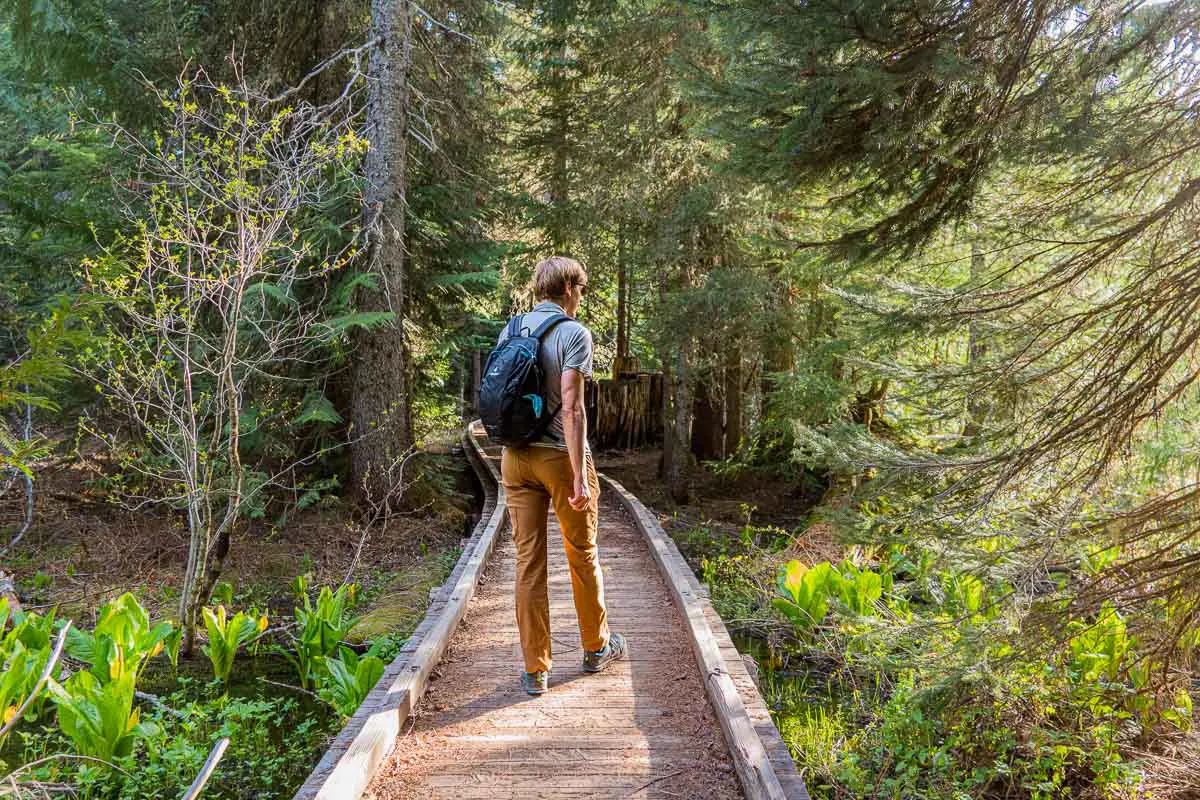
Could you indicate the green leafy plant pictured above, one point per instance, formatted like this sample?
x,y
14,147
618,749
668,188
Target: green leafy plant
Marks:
x,y
122,641
1098,648
858,588
805,592
966,594
24,651
345,681
322,625
227,635
98,716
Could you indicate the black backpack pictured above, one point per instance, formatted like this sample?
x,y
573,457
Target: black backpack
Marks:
x,y
511,405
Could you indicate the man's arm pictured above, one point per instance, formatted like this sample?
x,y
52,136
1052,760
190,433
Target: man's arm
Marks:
x,y
574,418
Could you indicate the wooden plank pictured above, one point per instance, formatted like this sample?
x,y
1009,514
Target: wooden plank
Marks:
x,y
755,770
598,785
368,738
536,738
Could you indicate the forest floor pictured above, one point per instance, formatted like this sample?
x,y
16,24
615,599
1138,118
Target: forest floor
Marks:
x,y
837,708
85,548
735,531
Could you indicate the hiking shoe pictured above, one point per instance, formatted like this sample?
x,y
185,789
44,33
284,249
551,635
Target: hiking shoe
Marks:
x,y
535,682
615,650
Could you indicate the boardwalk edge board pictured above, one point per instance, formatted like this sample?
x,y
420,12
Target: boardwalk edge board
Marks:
x,y
369,737
764,775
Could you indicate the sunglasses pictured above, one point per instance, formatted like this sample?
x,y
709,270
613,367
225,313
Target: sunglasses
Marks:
x,y
583,289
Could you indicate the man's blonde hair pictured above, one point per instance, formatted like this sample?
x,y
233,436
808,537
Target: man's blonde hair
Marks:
x,y
553,275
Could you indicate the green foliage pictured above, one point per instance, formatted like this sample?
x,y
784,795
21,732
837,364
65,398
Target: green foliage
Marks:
x,y
806,593
98,716
1098,649
273,744
817,737
122,641
345,681
24,650
322,626
226,635
966,594
859,589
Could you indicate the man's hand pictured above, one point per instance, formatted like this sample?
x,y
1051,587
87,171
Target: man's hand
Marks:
x,y
579,499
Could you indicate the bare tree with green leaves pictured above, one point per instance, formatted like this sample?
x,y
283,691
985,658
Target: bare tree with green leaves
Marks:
x,y
222,289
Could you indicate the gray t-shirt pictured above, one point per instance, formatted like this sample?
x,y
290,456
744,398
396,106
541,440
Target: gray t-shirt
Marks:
x,y
568,345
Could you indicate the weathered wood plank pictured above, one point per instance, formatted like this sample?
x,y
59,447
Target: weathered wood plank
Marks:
x,y
755,769
352,760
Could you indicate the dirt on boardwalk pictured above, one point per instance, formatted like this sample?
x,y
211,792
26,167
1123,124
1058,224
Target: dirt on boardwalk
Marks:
x,y
641,729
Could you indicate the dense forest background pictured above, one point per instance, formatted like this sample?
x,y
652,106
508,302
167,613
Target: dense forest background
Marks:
x,y
932,267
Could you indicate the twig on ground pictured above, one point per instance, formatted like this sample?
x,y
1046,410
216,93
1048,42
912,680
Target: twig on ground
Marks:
x,y
155,701
290,686
648,784
15,789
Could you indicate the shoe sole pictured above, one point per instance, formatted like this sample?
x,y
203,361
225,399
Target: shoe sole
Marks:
x,y
593,670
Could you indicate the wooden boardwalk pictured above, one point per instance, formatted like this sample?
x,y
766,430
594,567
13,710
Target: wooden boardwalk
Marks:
x,y
643,728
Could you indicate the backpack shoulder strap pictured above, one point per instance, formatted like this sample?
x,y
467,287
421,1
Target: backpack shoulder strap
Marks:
x,y
514,326
545,327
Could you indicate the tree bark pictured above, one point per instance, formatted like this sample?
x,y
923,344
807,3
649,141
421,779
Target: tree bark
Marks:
x,y
977,402
8,591
734,402
382,408
622,298
707,431
678,431
333,35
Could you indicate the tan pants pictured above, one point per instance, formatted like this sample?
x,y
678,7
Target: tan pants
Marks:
x,y
535,477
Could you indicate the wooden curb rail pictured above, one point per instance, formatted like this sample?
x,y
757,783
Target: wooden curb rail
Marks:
x,y
763,776
765,768
357,752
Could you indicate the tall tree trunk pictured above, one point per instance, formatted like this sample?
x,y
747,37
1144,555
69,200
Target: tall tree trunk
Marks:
x,y
333,35
622,298
666,465
679,430
382,408
734,401
560,123
778,347
779,358
977,402
707,431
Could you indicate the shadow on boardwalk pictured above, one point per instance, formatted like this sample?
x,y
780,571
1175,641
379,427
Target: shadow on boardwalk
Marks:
x,y
643,728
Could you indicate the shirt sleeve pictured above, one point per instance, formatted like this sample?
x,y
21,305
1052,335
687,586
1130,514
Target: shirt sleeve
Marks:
x,y
577,350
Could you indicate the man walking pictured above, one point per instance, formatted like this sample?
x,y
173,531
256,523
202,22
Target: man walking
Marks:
x,y
558,469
